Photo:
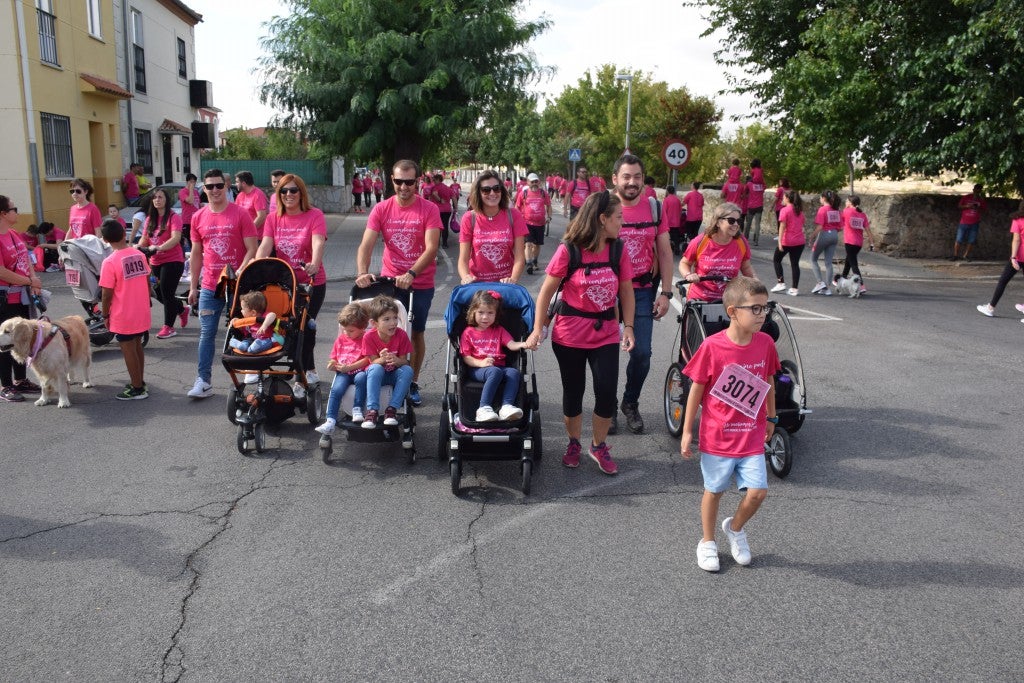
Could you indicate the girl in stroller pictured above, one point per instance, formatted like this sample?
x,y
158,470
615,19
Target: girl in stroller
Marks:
x,y
482,344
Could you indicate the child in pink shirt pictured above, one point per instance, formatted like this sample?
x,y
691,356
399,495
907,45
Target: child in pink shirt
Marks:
x,y
483,345
259,336
124,280
349,364
387,348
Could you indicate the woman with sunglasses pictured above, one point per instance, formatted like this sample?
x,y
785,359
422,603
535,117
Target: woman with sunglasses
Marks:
x,y
85,217
161,241
17,282
298,231
722,252
492,236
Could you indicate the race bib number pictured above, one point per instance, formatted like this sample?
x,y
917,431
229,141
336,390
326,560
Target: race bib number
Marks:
x,y
734,187
72,277
741,389
832,216
857,223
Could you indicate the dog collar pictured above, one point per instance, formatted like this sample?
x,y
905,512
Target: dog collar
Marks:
x,y
36,347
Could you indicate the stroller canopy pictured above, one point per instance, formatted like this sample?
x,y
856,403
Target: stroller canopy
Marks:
x,y
515,300
88,251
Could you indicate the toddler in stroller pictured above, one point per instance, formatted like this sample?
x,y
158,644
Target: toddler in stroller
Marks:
x,y
483,345
349,364
260,335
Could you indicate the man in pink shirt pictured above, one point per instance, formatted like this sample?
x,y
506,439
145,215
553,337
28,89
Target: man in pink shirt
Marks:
x,y
971,206
411,228
223,234
535,205
693,202
577,191
252,199
441,195
130,184
673,209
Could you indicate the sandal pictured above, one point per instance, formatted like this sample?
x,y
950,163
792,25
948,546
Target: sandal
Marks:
x,y
26,386
11,395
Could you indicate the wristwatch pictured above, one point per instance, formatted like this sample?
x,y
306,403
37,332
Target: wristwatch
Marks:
x,y
774,420
667,294
411,272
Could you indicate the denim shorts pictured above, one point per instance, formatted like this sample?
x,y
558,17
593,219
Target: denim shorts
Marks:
x,y
751,472
967,233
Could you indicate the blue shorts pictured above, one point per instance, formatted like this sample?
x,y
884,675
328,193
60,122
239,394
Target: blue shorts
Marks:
x,y
967,233
751,472
421,300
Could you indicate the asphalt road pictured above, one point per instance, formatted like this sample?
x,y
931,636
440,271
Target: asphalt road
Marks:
x,y
137,544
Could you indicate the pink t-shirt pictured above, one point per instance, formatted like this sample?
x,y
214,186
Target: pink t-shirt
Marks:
x,y
639,242
971,208
456,189
14,256
130,186
357,186
792,227
534,206
126,272
734,174
441,195
579,192
162,234
757,176
733,191
828,218
755,194
189,200
378,186
724,430
592,293
493,241
293,240
399,343
779,192
673,210
404,230
597,184
649,192
1017,227
84,220
253,202
219,237
715,259
694,201
479,343
854,222
347,351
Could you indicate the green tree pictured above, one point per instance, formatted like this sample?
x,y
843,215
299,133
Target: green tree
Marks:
x,y
903,88
394,81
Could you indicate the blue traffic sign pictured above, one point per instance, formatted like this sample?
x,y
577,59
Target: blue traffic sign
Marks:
x,y
575,154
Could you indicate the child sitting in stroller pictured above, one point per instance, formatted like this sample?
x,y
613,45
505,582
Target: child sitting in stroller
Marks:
x,y
259,336
387,347
348,362
482,346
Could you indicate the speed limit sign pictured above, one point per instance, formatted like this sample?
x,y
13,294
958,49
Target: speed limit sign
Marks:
x,y
676,153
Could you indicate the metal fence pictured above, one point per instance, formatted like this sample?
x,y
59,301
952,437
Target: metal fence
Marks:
x,y
312,172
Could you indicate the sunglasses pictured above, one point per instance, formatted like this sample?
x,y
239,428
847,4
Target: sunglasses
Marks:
x,y
214,186
77,191
290,190
408,182
757,309
13,208
490,188
730,220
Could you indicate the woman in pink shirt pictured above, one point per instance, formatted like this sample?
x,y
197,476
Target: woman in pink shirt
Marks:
x,y
828,222
18,282
189,198
298,232
1013,266
855,226
721,251
492,236
791,241
85,217
161,241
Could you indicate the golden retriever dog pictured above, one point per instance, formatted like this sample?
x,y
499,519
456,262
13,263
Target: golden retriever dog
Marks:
x,y
57,360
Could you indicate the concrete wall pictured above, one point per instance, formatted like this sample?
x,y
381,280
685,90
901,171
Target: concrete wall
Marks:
x,y
330,199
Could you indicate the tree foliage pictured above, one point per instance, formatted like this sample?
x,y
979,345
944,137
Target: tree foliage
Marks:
x,y
920,87
275,143
394,81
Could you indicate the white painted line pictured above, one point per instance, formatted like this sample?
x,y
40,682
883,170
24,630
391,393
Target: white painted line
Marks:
x,y
391,592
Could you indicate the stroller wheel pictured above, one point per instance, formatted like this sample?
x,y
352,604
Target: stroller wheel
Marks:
x,y
326,448
410,453
779,453
259,437
535,434
455,467
677,388
527,475
443,437
233,406
314,405
241,440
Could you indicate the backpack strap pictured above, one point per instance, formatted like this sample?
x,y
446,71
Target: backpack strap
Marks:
x,y
706,240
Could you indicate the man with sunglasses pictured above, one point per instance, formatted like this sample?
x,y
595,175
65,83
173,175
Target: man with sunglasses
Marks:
x,y
223,234
644,233
411,229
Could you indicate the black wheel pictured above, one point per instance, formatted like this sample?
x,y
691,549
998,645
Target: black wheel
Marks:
x,y
526,468
410,454
259,437
677,388
779,453
443,437
241,440
693,332
326,448
314,405
455,467
538,441
233,405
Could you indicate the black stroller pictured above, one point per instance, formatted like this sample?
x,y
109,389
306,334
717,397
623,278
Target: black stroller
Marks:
x,y
460,438
270,399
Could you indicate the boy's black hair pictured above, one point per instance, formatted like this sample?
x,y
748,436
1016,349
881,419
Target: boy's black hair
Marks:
x,y
111,230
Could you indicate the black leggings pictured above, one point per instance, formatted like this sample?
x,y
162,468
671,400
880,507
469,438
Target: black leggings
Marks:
x,y
604,369
851,260
794,263
1008,272
168,278
446,218
8,365
316,301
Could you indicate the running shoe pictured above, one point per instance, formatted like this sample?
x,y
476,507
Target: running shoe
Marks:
x,y
166,332
986,309
27,386
601,454
132,394
371,420
11,395
390,416
781,287
183,317
707,556
793,291
414,395
327,427
572,454
201,389
818,287
1019,307
737,542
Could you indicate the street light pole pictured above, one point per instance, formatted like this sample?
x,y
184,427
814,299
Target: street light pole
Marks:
x,y
629,101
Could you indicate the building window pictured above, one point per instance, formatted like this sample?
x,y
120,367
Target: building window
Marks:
x,y
47,32
144,149
92,7
138,52
182,63
186,155
57,156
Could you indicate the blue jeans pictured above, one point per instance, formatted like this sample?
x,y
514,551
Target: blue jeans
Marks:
x,y
376,376
210,310
251,345
640,357
492,378
342,381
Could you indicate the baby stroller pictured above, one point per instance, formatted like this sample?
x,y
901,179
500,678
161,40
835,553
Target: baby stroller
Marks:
x,y
270,399
405,430
701,319
83,259
460,438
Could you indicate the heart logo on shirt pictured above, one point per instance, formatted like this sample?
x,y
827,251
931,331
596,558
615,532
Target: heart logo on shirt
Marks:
x,y
634,246
492,252
402,242
220,247
289,249
602,296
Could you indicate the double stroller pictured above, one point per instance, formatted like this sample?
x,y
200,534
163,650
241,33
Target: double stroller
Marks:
x,y
405,430
83,259
460,437
271,399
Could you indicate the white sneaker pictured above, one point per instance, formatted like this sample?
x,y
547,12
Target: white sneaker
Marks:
x,y
985,309
1019,307
818,287
737,542
250,378
509,412
707,556
357,414
312,377
201,389
781,287
486,414
327,427
298,391
827,292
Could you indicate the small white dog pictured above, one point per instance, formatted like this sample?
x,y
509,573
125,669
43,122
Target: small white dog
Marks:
x,y
56,351
849,286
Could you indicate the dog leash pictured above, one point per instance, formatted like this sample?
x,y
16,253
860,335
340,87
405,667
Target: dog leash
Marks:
x,y
42,341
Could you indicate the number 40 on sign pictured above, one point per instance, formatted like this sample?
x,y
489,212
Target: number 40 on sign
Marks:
x,y
676,153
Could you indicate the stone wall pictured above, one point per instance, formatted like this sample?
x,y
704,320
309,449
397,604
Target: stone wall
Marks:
x,y
330,199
